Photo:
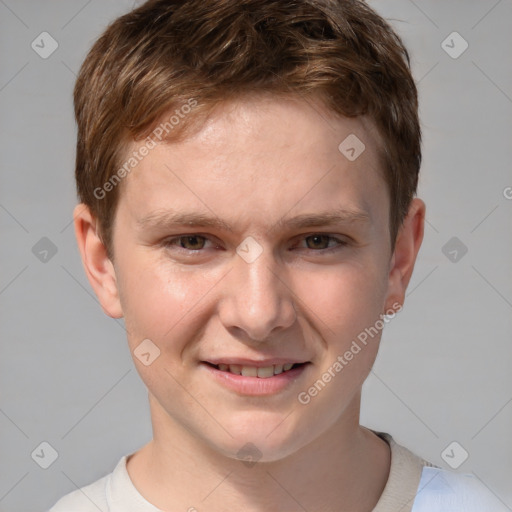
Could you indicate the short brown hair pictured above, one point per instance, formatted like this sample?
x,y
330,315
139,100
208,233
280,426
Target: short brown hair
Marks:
x,y
167,53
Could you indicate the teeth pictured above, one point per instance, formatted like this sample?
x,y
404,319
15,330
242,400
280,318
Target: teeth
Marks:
x,y
278,368
252,371
266,372
234,368
249,371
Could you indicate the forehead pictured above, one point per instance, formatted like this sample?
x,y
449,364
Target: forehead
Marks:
x,y
257,159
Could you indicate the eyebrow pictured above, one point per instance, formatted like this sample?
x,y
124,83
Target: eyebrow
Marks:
x,y
171,218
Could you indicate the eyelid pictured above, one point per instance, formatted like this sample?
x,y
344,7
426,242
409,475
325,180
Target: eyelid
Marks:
x,y
167,241
341,242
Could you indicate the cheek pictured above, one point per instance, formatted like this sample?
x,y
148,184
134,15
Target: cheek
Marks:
x,y
162,303
341,300
347,305
344,306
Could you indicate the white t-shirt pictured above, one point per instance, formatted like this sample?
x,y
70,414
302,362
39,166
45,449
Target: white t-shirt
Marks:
x,y
414,485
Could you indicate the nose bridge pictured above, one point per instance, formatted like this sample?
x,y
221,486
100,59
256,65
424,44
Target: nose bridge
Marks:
x,y
257,301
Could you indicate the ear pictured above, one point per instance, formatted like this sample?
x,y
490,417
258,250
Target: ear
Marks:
x,y
98,267
408,243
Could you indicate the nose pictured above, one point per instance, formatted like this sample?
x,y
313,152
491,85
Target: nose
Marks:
x,y
256,298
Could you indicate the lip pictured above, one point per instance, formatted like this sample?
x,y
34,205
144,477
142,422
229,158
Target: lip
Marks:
x,y
260,363
255,386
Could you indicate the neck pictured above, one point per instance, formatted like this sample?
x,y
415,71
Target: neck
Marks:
x,y
345,469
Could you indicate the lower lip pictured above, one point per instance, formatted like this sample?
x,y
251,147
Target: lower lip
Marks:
x,y
256,386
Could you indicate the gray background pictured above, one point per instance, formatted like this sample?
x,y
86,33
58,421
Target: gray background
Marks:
x,y
443,371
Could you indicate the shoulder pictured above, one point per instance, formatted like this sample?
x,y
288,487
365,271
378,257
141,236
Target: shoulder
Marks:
x,y
90,498
441,490
417,485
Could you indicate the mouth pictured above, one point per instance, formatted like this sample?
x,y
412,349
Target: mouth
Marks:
x,y
262,372
248,377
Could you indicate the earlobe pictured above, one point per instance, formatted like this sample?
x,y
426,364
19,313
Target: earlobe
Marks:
x,y
98,267
407,246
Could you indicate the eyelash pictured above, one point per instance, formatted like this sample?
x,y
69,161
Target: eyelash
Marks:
x,y
169,243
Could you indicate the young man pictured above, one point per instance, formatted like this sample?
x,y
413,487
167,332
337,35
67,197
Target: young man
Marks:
x,y
247,172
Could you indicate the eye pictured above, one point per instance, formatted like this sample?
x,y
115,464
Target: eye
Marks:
x,y
195,243
187,242
320,242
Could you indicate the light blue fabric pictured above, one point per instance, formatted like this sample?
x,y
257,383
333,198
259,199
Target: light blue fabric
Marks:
x,y
444,491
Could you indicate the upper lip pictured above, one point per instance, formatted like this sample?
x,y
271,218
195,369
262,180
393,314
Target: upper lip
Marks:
x,y
259,363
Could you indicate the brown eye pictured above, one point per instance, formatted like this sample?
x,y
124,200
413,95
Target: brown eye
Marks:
x,y
187,242
192,243
318,241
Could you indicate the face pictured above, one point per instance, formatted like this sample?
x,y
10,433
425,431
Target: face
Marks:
x,y
252,246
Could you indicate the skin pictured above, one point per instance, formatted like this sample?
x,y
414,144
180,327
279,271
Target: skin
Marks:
x,y
254,162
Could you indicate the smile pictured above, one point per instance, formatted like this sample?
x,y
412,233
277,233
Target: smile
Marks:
x,y
263,372
256,379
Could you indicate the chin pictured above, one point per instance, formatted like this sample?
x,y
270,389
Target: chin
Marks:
x,y
263,437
